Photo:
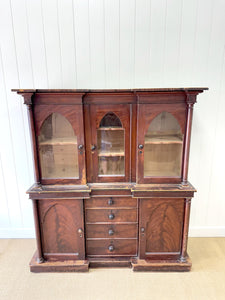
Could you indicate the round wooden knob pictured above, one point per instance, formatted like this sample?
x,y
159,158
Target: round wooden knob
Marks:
x,y
93,147
111,232
80,147
111,248
111,216
110,202
140,146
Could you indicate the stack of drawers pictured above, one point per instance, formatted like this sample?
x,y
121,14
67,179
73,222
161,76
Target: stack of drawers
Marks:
x,y
111,226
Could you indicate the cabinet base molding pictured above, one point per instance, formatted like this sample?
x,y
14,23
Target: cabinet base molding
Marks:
x,y
110,262
138,265
58,266
142,265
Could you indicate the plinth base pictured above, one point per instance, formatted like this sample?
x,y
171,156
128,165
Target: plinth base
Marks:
x,y
161,265
58,266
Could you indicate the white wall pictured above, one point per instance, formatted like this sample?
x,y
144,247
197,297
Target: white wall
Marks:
x,y
113,44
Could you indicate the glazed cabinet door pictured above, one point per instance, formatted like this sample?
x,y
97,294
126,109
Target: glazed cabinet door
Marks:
x,y
161,227
62,229
60,143
108,143
161,132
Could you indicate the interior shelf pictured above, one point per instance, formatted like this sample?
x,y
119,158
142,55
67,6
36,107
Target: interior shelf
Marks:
x,y
110,128
59,141
111,154
163,140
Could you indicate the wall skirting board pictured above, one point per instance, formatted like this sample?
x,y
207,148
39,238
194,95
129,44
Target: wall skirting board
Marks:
x,y
196,231
17,233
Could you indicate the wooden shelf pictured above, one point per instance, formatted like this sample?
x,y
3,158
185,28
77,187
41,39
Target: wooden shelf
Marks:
x,y
111,154
163,140
161,173
110,128
59,141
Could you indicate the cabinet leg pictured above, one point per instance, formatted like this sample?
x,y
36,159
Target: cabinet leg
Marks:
x,y
40,258
187,208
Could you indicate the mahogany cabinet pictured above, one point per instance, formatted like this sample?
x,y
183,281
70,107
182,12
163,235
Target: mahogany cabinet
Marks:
x,y
111,172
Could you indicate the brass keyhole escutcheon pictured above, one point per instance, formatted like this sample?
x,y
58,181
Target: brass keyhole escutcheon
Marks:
x,y
80,231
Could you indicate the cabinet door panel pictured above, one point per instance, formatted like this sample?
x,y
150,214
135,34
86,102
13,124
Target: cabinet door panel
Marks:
x,y
60,135
161,226
161,130
109,143
59,222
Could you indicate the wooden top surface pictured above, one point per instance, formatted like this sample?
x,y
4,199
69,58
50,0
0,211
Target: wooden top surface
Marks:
x,y
112,186
149,90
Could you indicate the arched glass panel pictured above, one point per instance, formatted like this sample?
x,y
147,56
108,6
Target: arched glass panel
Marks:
x,y
110,143
58,148
163,147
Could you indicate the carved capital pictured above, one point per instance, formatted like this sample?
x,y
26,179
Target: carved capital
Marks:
x,y
27,98
188,200
190,99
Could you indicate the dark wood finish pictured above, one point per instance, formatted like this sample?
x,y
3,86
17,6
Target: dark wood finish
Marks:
x,y
187,142
110,202
110,262
111,231
74,114
97,112
39,255
163,190
33,139
187,209
160,227
129,220
123,247
146,114
195,90
122,215
62,229
58,98
112,98
133,143
142,265
59,191
58,266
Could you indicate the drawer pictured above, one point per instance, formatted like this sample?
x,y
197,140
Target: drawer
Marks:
x,y
124,247
111,231
110,215
111,202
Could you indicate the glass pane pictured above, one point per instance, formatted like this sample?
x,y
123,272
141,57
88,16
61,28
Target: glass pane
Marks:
x,y
110,142
163,147
58,148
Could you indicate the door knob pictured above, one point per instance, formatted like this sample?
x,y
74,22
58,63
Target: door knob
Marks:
x,y
140,146
93,147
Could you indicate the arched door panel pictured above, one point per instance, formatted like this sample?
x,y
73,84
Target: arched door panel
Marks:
x,y
109,142
58,151
160,143
60,141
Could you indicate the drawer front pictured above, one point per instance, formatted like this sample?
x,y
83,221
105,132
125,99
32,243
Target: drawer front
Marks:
x,y
124,247
108,202
111,231
111,215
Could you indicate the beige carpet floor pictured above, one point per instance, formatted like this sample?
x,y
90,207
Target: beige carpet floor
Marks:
x,y
205,281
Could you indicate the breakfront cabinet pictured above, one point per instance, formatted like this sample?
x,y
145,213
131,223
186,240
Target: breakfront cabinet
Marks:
x,y
111,172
